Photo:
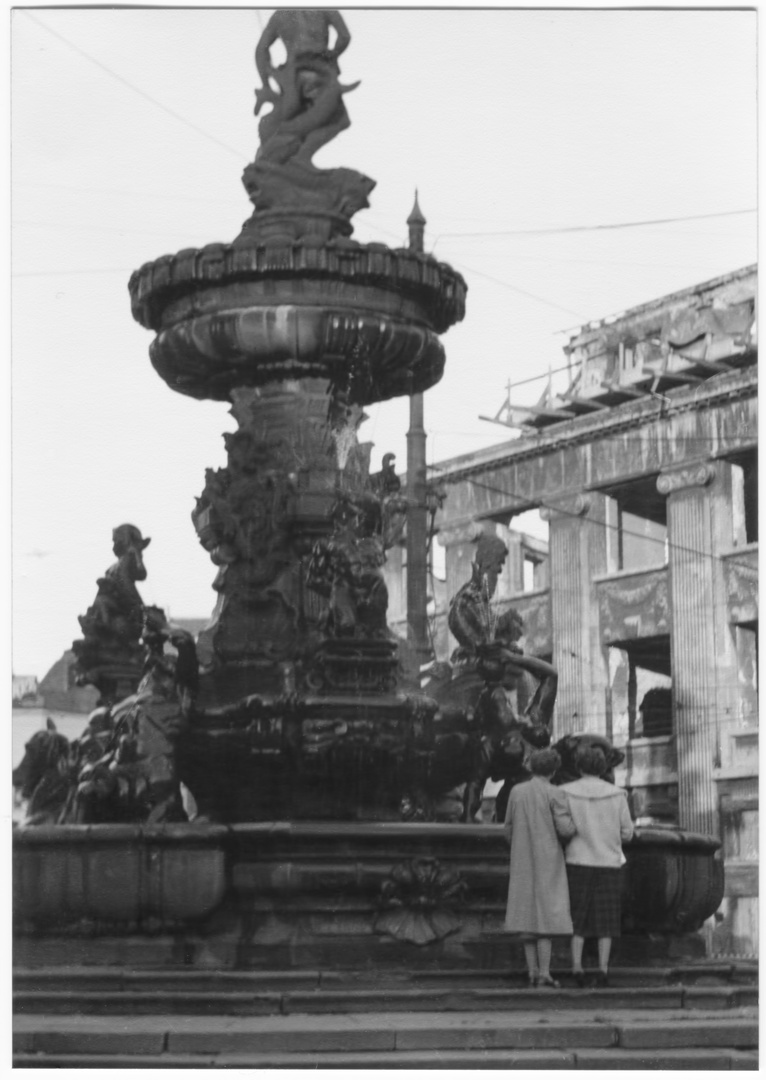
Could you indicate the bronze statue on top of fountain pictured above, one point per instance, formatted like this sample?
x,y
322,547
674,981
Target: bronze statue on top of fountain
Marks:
x,y
109,656
307,112
308,106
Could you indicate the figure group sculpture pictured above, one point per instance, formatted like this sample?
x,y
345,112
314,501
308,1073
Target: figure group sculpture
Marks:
x,y
346,567
483,736
307,111
124,767
480,715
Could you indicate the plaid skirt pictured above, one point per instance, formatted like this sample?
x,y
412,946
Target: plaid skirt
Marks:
x,y
594,900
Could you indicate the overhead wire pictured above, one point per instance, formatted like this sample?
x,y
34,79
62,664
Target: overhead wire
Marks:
x,y
67,273
517,289
666,542
131,86
504,284
518,232
560,230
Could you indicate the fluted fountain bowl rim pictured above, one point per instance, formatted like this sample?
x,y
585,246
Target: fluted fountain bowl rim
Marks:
x,y
438,289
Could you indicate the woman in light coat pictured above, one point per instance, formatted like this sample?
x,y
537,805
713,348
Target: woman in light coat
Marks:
x,y
537,820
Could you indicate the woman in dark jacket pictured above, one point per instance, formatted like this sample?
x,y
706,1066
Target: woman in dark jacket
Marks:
x,y
594,857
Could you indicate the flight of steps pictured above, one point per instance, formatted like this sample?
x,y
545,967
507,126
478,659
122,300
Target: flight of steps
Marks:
x,y
703,1016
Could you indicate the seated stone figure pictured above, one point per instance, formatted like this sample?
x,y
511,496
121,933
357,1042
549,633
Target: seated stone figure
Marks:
x,y
109,655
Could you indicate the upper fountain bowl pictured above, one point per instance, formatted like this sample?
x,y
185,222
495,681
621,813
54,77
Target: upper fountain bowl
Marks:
x,y
257,311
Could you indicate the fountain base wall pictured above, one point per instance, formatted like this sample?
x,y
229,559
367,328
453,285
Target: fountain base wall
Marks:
x,y
281,896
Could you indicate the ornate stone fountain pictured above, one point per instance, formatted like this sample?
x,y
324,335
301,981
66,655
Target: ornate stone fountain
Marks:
x,y
297,713
299,327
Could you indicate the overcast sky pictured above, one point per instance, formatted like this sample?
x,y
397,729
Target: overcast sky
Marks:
x,y
130,132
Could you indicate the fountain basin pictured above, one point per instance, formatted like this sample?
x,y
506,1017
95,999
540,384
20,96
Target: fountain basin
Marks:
x,y
250,313
277,894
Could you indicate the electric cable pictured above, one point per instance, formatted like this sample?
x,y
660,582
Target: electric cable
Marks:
x,y
665,541
557,231
131,86
516,289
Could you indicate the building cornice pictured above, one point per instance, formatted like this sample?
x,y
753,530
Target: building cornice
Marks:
x,y
613,421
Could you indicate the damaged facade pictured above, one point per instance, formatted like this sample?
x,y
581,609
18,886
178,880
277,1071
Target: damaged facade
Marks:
x,y
645,595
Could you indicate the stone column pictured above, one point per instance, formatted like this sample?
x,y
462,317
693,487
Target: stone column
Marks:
x,y
417,537
578,552
703,654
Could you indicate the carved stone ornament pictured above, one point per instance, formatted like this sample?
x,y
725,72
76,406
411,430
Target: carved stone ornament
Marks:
x,y
634,607
575,506
741,575
420,901
698,475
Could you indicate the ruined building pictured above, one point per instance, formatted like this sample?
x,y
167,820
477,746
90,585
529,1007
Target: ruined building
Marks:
x,y
645,596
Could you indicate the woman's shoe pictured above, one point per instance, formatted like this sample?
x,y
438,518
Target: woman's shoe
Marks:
x,y
548,980
533,981
601,979
579,978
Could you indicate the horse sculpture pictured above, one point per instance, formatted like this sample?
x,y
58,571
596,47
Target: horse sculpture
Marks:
x,y
46,778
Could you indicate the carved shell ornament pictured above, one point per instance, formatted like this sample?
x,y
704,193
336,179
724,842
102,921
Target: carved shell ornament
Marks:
x,y
418,902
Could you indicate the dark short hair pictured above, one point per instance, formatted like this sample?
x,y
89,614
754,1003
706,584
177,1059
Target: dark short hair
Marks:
x,y
591,760
544,762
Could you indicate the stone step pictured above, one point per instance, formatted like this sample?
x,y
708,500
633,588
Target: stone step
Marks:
x,y
187,978
642,1030
613,1058
216,1002
225,949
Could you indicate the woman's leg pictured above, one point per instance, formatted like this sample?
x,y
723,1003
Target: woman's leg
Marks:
x,y
577,946
530,952
544,956
604,949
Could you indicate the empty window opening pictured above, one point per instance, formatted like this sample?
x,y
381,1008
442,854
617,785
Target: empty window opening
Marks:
x,y
642,704
637,524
